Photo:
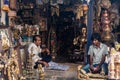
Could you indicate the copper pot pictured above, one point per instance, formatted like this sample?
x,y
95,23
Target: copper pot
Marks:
x,y
107,36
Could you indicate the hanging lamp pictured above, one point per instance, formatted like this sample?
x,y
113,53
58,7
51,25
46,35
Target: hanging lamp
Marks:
x,y
6,5
85,6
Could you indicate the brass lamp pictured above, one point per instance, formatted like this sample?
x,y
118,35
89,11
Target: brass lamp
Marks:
x,y
85,7
6,5
5,8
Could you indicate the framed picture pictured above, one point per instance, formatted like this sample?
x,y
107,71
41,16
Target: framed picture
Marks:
x,y
43,24
13,4
5,39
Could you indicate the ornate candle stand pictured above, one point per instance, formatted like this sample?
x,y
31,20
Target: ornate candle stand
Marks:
x,y
41,72
114,66
29,70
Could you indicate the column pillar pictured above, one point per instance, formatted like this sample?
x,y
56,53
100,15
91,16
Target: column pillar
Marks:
x,y
89,27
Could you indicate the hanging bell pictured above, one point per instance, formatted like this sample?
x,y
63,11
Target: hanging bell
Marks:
x,y
6,5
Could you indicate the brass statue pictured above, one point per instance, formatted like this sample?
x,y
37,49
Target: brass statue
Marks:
x,y
81,39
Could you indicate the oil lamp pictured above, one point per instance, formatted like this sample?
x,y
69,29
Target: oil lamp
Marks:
x,y
6,5
85,6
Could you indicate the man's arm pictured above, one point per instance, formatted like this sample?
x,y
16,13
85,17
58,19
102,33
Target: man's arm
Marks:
x,y
43,62
91,59
91,63
46,50
90,53
102,60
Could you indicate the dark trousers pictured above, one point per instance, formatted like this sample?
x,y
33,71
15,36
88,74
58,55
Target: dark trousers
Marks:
x,y
47,59
104,66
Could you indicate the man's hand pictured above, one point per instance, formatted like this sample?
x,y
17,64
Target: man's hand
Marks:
x,y
91,67
43,62
48,51
97,68
46,64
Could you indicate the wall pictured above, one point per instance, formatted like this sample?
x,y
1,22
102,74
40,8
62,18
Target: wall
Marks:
x,y
2,19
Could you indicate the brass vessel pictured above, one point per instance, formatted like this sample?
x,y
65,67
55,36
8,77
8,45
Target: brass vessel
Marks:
x,y
107,36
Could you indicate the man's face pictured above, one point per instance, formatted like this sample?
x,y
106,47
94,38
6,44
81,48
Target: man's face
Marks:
x,y
38,41
95,42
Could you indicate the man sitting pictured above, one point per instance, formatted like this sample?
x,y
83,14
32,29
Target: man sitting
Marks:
x,y
97,52
37,50
41,55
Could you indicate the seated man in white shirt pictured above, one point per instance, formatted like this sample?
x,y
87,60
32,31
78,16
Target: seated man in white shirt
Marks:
x,y
97,52
42,56
37,50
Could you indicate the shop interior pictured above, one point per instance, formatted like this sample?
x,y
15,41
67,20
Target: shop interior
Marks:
x,y
65,26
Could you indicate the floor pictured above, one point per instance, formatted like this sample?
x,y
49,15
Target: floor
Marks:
x,y
70,74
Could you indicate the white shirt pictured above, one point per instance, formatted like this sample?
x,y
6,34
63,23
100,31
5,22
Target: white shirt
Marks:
x,y
98,52
35,50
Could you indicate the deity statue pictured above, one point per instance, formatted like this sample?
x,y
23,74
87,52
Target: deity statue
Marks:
x,y
81,39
